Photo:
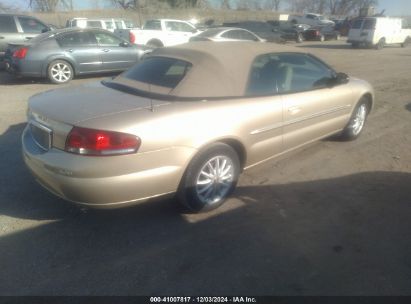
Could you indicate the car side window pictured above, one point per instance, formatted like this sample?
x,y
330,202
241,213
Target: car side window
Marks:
x,y
178,26
303,73
7,24
231,34
161,71
107,39
109,25
96,24
76,39
247,36
31,25
287,73
153,25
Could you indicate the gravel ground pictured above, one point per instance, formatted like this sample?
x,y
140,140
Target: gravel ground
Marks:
x,y
330,219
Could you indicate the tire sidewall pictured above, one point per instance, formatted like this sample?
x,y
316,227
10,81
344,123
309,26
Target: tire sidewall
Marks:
x,y
50,77
348,133
187,195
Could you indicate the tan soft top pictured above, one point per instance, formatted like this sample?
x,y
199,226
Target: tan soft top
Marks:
x,y
220,69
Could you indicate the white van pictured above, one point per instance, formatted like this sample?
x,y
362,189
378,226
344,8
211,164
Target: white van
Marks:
x,y
109,24
378,32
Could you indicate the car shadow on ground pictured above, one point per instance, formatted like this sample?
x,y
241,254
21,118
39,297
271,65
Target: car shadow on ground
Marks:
x,y
325,45
408,107
9,79
343,236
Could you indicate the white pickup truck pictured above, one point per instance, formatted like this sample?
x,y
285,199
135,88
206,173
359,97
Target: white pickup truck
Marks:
x,y
160,32
312,19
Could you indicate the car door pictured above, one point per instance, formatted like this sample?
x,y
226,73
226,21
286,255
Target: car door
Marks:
x,y
8,32
178,32
81,47
313,106
266,129
116,54
30,27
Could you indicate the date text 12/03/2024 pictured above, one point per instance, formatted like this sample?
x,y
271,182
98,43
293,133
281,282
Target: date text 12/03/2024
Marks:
x,y
203,300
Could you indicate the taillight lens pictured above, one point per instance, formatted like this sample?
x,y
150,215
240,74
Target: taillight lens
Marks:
x,y
20,53
317,33
132,37
101,143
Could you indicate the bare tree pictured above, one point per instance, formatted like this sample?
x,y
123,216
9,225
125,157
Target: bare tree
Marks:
x,y
272,5
225,4
44,5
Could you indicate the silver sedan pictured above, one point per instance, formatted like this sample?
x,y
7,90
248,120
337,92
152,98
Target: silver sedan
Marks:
x,y
219,34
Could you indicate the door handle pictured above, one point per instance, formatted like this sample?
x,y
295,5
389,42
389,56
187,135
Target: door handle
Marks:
x,y
70,50
106,50
1,37
28,38
294,110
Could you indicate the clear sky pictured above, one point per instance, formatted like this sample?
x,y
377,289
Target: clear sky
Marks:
x,y
393,7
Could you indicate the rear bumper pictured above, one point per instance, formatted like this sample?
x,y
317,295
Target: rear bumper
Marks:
x,y
79,179
20,68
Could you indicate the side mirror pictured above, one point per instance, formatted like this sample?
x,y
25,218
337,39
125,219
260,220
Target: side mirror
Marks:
x,y
340,78
45,30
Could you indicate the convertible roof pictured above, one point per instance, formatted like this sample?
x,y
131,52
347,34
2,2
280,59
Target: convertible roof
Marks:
x,y
220,69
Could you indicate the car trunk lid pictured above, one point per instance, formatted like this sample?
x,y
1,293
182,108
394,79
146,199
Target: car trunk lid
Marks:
x,y
59,110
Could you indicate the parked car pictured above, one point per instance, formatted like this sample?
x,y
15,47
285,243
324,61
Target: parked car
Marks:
x,y
288,30
160,32
109,24
187,120
260,28
62,54
226,34
312,19
18,29
321,34
378,32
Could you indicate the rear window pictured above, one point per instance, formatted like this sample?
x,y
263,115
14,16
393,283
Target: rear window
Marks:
x,y
357,24
209,33
94,24
152,25
161,71
369,24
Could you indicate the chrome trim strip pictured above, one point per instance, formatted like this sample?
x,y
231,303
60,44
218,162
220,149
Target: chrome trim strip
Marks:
x,y
297,120
267,128
315,115
90,63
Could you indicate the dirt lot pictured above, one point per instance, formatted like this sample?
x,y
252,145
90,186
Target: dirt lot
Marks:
x,y
331,219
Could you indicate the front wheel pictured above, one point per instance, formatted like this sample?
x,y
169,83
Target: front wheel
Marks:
x,y
210,178
59,72
357,121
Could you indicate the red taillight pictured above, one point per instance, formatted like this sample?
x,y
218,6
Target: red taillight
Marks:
x,y
317,33
20,53
132,37
97,142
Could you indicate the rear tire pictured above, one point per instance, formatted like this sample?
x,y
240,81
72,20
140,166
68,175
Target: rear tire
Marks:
x,y
155,44
60,71
380,45
357,121
355,45
210,178
406,42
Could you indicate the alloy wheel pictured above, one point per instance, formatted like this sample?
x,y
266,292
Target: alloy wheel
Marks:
x,y
60,72
215,180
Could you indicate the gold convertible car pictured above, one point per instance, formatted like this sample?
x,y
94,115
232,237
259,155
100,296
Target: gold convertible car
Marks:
x,y
187,120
